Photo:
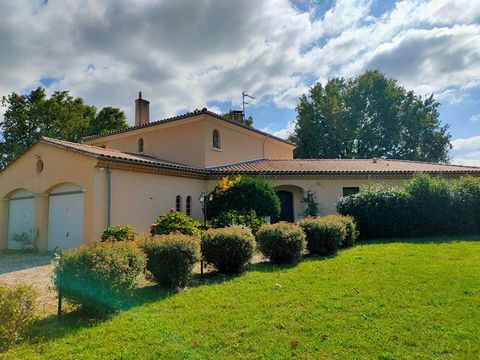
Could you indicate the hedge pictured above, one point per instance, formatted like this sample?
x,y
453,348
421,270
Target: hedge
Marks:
x,y
425,206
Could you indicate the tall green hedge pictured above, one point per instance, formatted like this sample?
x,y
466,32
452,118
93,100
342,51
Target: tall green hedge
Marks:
x,y
425,206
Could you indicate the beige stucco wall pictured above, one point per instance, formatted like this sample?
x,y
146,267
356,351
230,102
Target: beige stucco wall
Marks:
x,y
189,141
238,144
60,166
328,191
180,141
138,198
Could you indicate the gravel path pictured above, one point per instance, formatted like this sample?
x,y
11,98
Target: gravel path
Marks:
x,y
32,269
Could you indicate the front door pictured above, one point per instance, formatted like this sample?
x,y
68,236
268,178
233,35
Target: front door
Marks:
x,y
286,202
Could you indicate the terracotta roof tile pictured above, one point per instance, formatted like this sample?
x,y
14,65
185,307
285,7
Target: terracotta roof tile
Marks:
x,y
343,166
276,167
118,155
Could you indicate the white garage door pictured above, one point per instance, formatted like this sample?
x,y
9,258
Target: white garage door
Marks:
x,y
65,217
21,217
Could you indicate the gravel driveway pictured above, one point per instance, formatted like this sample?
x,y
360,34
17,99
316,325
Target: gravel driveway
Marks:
x,y
33,269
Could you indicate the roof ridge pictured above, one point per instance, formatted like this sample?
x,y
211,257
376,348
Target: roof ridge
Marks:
x,y
185,116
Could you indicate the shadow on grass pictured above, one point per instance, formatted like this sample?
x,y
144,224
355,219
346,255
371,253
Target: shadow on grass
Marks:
x,y
51,328
450,239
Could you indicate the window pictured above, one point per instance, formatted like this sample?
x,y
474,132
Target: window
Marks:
x,y
188,205
216,139
140,146
350,190
178,203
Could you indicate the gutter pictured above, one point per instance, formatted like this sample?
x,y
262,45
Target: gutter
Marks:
x,y
109,196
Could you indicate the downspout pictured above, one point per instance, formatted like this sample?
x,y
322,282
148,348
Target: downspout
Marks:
x,y
109,196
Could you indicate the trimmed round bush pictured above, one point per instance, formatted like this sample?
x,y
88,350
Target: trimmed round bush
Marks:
x,y
175,222
229,250
350,227
100,277
118,233
324,236
170,258
17,306
282,242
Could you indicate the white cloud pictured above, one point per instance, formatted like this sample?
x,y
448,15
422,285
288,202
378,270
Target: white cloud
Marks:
x,y
475,117
184,54
466,151
283,133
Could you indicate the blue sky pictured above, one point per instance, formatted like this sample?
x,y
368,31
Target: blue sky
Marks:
x,y
190,54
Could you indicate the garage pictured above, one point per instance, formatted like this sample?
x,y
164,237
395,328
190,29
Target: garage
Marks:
x,y
21,218
65,217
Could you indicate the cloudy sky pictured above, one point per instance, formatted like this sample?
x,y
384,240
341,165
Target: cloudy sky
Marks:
x,y
188,54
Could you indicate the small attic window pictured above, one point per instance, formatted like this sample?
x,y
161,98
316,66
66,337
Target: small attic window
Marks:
x,y
140,146
216,139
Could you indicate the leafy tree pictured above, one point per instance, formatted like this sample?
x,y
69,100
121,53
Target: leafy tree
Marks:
x,y
28,117
107,119
369,116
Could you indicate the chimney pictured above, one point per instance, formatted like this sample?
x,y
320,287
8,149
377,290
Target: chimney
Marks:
x,y
142,111
237,115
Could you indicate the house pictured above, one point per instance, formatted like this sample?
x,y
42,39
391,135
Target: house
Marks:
x,y
66,193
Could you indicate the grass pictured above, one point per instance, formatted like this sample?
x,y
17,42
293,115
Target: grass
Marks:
x,y
412,299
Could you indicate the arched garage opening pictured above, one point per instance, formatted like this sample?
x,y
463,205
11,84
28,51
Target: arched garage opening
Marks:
x,y
21,217
65,217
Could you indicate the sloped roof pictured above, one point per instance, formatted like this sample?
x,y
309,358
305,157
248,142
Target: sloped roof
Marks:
x,y
274,167
117,155
340,166
186,116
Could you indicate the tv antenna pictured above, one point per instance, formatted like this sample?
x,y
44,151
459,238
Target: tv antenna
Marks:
x,y
244,95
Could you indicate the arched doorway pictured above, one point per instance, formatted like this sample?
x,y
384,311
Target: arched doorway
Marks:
x,y
21,218
65,217
286,203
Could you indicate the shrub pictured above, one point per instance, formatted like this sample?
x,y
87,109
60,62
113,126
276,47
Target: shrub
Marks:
x,y
379,211
118,233
243,194
282,242
100,277
350,227
228,249
175,222
425,206
170,258
324,236
234,218
17,305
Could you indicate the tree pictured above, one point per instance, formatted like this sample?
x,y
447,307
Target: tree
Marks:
x,y
369,116
30,116
108,119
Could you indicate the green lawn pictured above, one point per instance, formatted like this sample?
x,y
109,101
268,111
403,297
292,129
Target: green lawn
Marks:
x,y
398,300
